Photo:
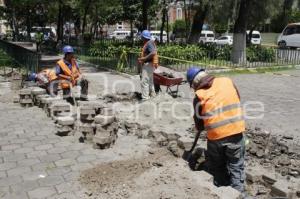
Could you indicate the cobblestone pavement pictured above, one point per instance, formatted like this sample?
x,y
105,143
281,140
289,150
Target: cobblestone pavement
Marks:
x,y
36,163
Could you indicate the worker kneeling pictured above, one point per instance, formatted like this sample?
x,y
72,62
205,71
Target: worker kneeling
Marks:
x,y
69,75
46,79
218,111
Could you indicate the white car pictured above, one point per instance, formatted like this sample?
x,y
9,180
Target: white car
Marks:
x,y
290,36
207,36
224,40
256,37
120,34
156,34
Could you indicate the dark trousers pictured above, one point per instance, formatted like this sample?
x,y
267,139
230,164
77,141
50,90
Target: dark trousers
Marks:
x,y
84,84
225,160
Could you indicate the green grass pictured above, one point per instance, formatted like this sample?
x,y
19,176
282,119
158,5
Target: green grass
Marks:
x,y
269,38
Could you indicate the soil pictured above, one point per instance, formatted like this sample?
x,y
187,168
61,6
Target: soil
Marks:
x,y
158,175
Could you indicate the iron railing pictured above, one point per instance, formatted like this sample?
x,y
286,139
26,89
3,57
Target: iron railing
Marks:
x,y
22,56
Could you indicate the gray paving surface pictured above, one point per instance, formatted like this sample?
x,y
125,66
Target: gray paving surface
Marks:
x,y
36,163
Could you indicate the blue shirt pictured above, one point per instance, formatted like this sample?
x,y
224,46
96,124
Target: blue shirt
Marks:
x,y
59,71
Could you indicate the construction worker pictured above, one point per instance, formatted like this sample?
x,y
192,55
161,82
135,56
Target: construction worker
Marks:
x,y
69,74
218,111
149,61
46,79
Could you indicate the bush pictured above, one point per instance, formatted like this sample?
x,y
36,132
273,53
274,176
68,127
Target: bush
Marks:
x,y
257,53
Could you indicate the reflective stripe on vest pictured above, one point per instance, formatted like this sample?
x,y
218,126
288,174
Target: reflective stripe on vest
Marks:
x,y
221,109
73,73
155,57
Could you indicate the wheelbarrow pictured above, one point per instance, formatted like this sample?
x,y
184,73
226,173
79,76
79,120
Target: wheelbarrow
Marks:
x,y
164,79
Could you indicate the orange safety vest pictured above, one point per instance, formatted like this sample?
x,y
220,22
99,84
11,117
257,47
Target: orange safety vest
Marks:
x,y
70,76
221,109
155,57
50,74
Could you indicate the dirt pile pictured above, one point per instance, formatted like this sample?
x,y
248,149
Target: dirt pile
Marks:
x,y
280,152
122,97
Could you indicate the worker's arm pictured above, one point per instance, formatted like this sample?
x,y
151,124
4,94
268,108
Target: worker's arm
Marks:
x,y
199,124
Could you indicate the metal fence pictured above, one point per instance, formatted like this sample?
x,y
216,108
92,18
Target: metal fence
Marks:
x,y
127,61
22,56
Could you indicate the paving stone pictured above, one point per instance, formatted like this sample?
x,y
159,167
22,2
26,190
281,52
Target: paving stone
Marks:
x,y
32,144
3,174
269,178
28,162
38,91
50,181
74,175
64,143
43,147
33,175
36,154
14,157
86,158
38,138
283,189
10,147
22,195
58,171
70,154
4,191
63,187
227,193
57,150
18,171
7,166
24,150
43,166
50,158
104,120
42,192
67,195
18,141
11,180
66,121
81,166
64,162
51,141
77,147
24,186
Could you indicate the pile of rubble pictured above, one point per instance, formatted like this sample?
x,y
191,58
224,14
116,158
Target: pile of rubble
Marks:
x,y
122,97
279,152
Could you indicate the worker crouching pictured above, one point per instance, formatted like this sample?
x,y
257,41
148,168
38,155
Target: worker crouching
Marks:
x,y
69,75
218,111
46,79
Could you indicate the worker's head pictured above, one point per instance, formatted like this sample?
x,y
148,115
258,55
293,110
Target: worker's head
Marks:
x,y
32,77
146,35
68,52
194,75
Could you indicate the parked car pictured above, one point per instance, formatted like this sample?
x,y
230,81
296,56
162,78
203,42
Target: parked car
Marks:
x,y
120,34
207,36
290,36
156,34
48,31
256,37
224,40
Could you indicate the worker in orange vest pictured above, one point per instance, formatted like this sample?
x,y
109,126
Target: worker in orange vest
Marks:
x,y
149,62
69,75
218,111
46,79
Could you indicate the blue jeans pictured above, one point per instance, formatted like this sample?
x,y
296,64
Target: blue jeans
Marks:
x,y
225,160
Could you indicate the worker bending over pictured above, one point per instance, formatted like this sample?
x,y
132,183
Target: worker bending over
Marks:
x,y
46,79
218,111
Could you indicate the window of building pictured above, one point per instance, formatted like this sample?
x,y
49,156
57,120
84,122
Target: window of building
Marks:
x,y
179,13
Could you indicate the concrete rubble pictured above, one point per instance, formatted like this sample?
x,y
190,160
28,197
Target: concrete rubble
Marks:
x,y
35,92
65,125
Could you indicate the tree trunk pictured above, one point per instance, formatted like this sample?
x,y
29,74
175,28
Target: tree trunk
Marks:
x,y
28,23
85,15
163,20
60,22
186,20
197,25
145,15
77,26
15,25
239,37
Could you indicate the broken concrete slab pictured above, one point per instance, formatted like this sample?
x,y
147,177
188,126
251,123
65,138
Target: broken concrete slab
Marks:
x,y
283,189
25,91
254,175
85,127
38,91
84,110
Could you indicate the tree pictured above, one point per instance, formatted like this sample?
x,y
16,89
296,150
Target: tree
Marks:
x,y
240,27
198,20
